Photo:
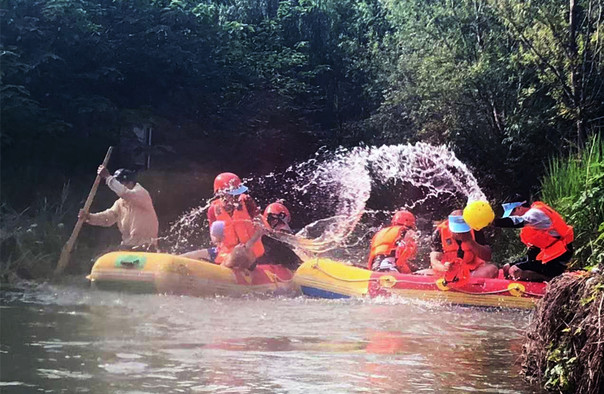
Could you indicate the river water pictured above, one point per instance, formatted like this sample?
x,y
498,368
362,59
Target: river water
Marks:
x,y
68,338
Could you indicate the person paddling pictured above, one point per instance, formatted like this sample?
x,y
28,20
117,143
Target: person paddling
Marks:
x,y
133,212
394,246
545,233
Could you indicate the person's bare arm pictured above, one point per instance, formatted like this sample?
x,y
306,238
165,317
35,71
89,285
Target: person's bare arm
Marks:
x,y
436,261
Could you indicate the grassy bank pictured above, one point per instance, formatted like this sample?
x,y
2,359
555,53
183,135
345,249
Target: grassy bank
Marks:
x,y
32,238
565,349
574,186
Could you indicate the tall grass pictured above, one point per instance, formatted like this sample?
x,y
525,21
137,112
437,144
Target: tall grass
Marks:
x,y
31,239
574,186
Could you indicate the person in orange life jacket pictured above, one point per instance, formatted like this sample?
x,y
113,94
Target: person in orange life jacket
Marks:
x,y
239,212
133,212
545,233
455,241
277,217
392,247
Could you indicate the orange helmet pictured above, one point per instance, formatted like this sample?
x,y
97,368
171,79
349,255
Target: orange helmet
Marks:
x,y
227,182
403,218
278,211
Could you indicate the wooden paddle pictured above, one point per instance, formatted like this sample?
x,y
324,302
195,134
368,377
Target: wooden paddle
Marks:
x,y
66,251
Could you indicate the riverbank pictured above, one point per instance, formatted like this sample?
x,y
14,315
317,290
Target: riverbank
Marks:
x,y
564,349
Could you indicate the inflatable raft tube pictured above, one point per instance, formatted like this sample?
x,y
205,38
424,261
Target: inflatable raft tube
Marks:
x,y
165,273
326,278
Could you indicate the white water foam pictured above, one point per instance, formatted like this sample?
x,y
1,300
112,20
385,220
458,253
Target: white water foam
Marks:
x,y
332,190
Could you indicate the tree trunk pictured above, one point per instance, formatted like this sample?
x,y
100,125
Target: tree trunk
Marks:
x,y
575,75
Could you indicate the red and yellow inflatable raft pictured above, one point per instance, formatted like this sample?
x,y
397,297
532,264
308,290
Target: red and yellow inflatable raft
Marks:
x,y
325,278
165,273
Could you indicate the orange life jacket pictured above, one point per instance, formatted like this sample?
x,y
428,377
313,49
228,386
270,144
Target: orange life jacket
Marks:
x,y
389,242
551,246
238,229
451,247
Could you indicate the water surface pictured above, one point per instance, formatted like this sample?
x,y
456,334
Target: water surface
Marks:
x,y
68,338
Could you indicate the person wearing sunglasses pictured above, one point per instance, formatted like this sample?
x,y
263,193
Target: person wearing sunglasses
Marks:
x,y
278,218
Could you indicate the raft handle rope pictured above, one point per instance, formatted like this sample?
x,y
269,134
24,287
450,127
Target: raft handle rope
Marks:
x,y
506,290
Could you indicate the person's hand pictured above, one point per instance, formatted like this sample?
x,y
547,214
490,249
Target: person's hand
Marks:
x,y
83,215
102,172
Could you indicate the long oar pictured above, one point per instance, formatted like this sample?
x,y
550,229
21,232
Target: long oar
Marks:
x,y
66,251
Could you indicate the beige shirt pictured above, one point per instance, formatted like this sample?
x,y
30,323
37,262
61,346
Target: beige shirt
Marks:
x,y
133,212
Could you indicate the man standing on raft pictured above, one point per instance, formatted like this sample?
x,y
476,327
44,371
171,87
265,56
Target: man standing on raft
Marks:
x,y
133,212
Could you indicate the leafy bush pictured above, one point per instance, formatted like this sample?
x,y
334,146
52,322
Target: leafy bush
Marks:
x,y
575,187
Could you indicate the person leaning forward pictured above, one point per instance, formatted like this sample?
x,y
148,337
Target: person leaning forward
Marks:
x,y
277,218
133,211
545,233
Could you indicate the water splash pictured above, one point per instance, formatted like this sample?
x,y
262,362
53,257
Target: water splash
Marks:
x,y
347,194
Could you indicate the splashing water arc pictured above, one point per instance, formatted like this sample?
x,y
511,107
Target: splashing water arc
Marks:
x,y
332,189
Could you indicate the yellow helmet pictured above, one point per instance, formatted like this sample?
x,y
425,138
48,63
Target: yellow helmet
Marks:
x,y
478,214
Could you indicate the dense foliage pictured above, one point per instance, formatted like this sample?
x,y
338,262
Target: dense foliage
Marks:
x,y
563,349
575,187
507,84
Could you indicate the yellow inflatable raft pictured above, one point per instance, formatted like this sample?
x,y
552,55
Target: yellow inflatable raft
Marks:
x,y
165,273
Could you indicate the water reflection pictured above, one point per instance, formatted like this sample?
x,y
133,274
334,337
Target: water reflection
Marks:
x,y
69,339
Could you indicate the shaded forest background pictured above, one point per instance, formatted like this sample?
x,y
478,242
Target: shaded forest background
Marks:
x,y
255,85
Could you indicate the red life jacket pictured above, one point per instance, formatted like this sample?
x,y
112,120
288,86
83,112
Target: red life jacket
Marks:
x,y
460,269
389,242
451,247
550,245
238,228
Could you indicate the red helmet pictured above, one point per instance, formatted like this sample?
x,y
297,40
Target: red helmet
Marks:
x,y
277,210
227,182
403,218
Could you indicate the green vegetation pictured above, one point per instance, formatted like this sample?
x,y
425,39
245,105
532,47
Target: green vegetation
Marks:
x,y
33,237
564,348
507,84
575,187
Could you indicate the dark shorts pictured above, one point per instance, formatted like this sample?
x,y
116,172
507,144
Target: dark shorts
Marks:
x,y
550,269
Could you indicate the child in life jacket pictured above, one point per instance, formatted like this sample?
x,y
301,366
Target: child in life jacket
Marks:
x,y
459,252
394,246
